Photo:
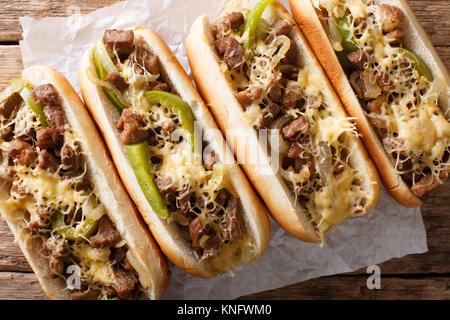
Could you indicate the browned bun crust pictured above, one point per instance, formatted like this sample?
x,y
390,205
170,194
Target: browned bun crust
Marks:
x,y
416,39
219,95
150,263
175,247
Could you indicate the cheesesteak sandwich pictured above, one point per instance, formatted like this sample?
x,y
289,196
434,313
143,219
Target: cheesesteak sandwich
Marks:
x,y
63,200
390,79
196,201
256,72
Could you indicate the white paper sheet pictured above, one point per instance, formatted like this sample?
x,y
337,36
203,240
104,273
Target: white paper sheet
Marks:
x,y
388,231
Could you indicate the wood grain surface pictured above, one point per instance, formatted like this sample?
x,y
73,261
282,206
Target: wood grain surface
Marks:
x,y
424,276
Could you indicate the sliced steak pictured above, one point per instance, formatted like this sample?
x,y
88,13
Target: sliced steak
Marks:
x,y
269,114
10,105
22,151
184,203
209,160
106,235
54,115
295,150
70,158
159,86
299,125
358,59
6,133
232,21
232,223
247,96
125,282
47,161
48,138
389,17
45,94
132,126
222,200
231,51
119,40
117,81
56,247
395,37
146,59
280,27
275,87
425,185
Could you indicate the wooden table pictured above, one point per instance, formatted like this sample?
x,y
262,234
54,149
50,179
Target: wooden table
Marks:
x,y
424,276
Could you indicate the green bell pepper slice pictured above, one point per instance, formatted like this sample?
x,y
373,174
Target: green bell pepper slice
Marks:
x,y
138,153
177,105
27,96
417,63
348,45
83,230
102,73
252,21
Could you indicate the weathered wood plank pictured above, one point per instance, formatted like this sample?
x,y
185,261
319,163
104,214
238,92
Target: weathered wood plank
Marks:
x,y
431,14
25,286
339,287
12,10
10,64
20,286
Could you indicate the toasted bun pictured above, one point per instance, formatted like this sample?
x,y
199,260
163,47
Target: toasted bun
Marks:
x,y
148,259
177,249
220,96
415,40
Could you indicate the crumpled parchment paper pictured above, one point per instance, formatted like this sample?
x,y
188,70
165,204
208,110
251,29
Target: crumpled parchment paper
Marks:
x,y
388,231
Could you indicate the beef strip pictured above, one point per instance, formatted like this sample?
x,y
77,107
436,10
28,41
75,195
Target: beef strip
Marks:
x,y
146,59
55,117
125,282
280,27
295,150
232,223
6,133
159,85
299,125
425,185
231,51
395,37
48,138
131,125
212,245
222,200
56,247
120,256
119,40
70,158
290,57
275,87
106,235
197,230
22,151
247,96
45,94
10,105
209,160
390,17
117,81
358,59
384,82
232,21
269,114
184,203
47,161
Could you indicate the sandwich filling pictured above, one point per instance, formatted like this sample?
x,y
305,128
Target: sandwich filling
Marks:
x,y
157,128
46,187
395,87
316,139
